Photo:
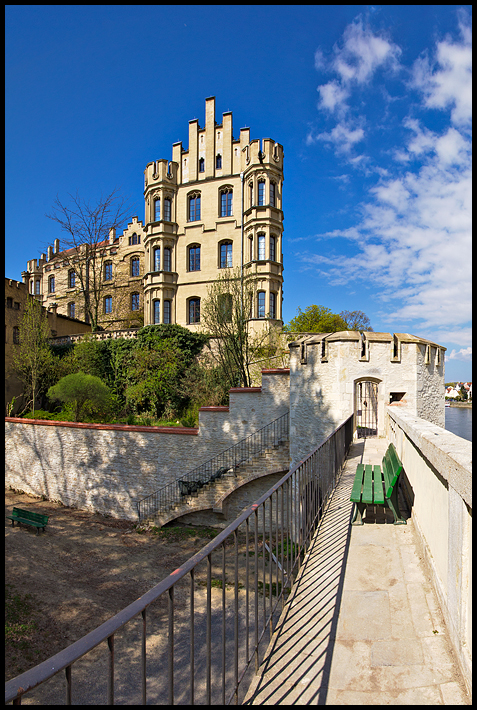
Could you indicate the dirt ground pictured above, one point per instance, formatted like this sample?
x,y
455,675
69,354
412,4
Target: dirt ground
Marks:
x,y
84,569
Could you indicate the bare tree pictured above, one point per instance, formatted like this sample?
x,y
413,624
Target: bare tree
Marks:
x,y
88,226
356,320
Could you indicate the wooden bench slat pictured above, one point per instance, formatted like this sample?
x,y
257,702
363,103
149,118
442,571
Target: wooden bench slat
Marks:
x,y
367,495
378,485
358,483
28,517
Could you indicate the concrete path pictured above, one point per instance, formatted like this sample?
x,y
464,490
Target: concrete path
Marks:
x,y
362,624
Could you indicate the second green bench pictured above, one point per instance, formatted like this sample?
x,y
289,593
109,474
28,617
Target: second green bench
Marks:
x,y
378,485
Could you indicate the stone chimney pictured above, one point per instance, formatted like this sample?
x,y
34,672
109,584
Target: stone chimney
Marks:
x,y
50,253
112,235
57,245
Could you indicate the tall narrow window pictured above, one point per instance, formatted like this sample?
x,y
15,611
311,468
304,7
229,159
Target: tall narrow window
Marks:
x,y
226,203
225,307
157,259
194,258
201,165
261,192
250,241
108,304
157,209
218,162
250,193
157,311
261,304
194,208
194,310
51,284
71,278
226,255
167,259
272,248
71,310
37,286
16,335
167,311
273,194
135,266
167,209
108,271
273,305
134,301
261,247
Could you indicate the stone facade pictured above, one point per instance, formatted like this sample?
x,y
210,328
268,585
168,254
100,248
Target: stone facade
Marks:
x,y
217,205
326,369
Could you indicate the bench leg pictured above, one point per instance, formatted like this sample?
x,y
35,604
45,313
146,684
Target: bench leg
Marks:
x,y
359,509
393,503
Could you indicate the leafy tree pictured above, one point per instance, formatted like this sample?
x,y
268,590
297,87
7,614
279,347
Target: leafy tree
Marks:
x,y
356,320
316,319
81,390
32,359
153,377
87,226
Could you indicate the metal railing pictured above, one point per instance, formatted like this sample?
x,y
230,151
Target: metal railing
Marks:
x,y
207,624
212,470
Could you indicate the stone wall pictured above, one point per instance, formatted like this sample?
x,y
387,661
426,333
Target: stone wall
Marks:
x,y
108,468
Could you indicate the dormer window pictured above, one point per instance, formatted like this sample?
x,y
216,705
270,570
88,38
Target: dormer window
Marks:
x,y
135,239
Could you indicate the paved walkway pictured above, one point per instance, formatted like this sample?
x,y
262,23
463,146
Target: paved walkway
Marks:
x,y
363,625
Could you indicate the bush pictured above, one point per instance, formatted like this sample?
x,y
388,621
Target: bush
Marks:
x,y
86,393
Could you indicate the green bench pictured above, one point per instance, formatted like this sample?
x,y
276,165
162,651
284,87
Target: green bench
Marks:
x,y
37,520
378,485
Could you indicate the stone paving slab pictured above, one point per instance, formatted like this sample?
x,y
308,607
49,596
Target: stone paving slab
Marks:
x,y
362,624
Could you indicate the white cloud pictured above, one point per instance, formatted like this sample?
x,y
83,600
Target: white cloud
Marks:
x,y
342,137
362,53
332,95
462,354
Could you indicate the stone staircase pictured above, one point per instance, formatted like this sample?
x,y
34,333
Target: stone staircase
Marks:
x,y
275,459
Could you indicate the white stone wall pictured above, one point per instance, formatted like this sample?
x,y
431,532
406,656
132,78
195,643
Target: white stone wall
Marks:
x,y
108,468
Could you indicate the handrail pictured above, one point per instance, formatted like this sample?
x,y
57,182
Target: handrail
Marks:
x,y
164,498
290,513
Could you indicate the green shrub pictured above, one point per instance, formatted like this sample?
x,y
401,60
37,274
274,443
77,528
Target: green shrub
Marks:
x,y
87,393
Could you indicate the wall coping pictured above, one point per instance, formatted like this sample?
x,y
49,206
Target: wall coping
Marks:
x,y
213,409
450,455
236,390
277,371
191,431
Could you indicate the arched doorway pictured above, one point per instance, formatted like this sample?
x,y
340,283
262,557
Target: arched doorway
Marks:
x,y
366,408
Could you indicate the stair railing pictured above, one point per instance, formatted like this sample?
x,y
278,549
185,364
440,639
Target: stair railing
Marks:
x,y
271,435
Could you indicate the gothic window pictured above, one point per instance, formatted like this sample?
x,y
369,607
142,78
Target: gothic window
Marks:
x,y
157,209
167,259
134,301
261,192
167,311
226,255
108,271
135,266
135,239
51,284
194,310
261,304
194,258
157,311
108,304
261,247
167,209
157,259
226,203
194,207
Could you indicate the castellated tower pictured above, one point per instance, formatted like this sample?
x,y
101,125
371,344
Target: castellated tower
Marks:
x,y
215,206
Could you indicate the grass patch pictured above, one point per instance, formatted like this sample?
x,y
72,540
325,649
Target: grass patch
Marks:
x,y
18,610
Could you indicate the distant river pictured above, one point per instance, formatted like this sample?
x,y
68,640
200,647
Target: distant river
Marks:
x,y
459,421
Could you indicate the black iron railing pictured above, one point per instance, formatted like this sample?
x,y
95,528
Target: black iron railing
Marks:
x,y
198,636
230,460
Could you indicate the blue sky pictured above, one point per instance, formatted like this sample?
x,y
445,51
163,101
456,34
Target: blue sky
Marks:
x,y
371,103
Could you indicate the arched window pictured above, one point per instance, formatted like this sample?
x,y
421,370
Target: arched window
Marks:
x,y
157,209
135,266
218,162
108,304
194,258
226,202
261,304
167,311
194,310
261,192
134,301
226,255
135,239
194,207
167,259
167,209
108,271
157,259
157,311
201,165
51,284
273,243
71,310
261,247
